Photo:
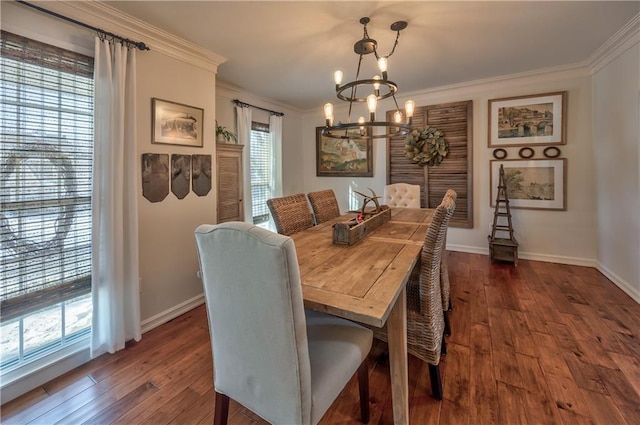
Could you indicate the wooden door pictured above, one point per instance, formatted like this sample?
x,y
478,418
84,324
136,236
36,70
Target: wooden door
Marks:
x,y
229,173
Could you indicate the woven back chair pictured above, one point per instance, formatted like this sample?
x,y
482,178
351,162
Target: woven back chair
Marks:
x,y
291,214
445,285
425,320
324,205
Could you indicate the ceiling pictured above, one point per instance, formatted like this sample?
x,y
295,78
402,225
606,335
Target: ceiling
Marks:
x,y
287,51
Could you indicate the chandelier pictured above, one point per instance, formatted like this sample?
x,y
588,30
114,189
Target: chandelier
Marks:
x,y
378,88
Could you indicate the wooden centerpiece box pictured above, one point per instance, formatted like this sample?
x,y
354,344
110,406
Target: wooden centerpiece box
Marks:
x,y
350,232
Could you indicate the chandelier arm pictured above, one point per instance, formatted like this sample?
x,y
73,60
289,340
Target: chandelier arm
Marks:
x,y
354,89
341,131
390,85
395,101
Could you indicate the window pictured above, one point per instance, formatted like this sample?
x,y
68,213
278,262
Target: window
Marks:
x,y
261,173
46,121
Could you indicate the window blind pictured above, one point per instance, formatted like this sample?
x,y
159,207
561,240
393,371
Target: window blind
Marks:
x,y
260,171
46,95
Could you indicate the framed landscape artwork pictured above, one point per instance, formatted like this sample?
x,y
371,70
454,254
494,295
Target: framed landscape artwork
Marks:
x,y
176,124
532,183
528,120
343,157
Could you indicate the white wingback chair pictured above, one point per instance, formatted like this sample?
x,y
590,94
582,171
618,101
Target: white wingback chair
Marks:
x,y
402,195
285,364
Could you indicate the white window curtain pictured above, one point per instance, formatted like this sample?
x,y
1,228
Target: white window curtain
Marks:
x,y
243,114
275,130
115,286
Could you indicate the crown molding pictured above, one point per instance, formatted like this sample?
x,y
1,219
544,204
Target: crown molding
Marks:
x,y
231,91
100,15
627,37
576,70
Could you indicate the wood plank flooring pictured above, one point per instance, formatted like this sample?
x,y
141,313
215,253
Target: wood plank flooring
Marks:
x,y
541,343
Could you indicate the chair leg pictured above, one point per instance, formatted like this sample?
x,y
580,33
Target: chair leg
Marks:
x,y
221,413
363,384
443,346
450,305
447,325
436,381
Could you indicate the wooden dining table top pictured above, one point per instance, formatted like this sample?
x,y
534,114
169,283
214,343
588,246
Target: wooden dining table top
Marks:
x,y
360,282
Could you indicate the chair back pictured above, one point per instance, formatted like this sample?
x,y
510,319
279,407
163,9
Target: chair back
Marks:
x,y
451,194
429,287
445,284
256,320
324,205
291,214
402,195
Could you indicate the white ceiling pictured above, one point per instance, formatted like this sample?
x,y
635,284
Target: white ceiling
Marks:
x,y
288,50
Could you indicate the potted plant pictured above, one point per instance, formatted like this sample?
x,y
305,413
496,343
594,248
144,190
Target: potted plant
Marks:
x,y
223,135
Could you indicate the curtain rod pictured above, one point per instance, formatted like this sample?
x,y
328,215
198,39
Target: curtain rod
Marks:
x,y
102,33
240,103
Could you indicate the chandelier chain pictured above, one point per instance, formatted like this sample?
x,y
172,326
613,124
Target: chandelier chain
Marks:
x,y
394,45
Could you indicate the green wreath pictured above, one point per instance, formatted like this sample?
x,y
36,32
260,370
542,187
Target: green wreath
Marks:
x,y
426,146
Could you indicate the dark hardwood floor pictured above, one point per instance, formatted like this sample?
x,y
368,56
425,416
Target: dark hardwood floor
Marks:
x,y
541,343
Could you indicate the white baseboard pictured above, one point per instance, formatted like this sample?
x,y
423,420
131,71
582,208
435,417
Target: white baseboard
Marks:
x,y
574,261
634,293
468,249
171,313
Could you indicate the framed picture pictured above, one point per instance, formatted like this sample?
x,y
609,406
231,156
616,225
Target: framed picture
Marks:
x,y
343,157
532,183
176,124
528,120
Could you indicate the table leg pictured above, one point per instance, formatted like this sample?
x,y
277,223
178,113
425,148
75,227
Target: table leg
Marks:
x,y
397,331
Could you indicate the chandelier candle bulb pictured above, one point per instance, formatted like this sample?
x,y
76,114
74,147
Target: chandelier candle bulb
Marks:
x,y
398,117
382,64
337,76
409,107
372,102
328,113
376,86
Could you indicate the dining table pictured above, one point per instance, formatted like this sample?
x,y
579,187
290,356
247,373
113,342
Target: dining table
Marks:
x,y
365,282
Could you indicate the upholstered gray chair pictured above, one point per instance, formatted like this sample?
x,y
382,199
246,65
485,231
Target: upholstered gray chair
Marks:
x,y
425,318
445,285
324,205
285,364
402,195
291,214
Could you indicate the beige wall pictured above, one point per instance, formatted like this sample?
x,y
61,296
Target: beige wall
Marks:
x,y
559,236
616,147
168,256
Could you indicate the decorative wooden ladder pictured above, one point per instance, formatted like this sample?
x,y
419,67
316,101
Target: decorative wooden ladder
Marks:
x,y
502,248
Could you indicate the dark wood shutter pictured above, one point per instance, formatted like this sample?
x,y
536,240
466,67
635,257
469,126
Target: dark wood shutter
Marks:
x,y
455,172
